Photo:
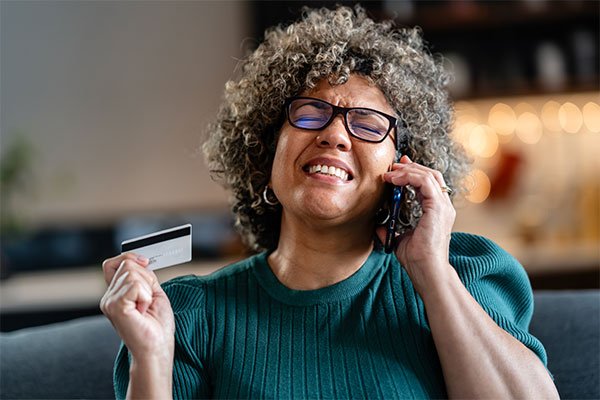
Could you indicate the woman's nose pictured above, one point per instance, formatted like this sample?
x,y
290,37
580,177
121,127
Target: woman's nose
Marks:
x,y
335,135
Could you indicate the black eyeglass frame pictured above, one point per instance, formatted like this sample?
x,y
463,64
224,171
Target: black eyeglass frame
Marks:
x,y
344,111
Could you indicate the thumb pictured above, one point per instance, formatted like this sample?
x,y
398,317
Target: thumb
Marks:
x,y
156,287
158,292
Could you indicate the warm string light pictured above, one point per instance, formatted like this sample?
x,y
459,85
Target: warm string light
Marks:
x,y
570,118
550,116
480,186
529,128
591,116
482,139
503,119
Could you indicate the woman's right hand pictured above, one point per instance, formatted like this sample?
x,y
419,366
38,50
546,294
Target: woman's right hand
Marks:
x,y
139,309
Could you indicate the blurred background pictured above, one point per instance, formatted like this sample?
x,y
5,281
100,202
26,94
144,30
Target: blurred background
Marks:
x,y
104,105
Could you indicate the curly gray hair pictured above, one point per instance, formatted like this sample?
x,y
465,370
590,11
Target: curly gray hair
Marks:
x,y
327,44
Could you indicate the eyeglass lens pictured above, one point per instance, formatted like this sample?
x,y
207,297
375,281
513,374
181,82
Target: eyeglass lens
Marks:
x,y
314,114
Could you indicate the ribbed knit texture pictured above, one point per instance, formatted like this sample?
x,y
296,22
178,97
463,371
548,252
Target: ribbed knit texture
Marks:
x,y
240,333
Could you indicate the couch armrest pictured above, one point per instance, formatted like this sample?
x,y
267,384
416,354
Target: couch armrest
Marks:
x,y
568,324
72,359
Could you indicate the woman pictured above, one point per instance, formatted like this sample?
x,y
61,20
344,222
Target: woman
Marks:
x,y
328,113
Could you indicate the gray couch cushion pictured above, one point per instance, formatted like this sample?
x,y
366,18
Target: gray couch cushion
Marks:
x,y
568,324
64,360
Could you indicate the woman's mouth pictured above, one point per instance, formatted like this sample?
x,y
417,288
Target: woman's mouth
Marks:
x,y
328,170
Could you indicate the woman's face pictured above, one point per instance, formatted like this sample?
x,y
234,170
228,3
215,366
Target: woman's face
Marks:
x,y
325,198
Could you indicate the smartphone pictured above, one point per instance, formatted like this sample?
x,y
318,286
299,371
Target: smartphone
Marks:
x,y
393,220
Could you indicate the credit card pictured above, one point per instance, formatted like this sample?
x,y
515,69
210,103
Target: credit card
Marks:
x,y
164,248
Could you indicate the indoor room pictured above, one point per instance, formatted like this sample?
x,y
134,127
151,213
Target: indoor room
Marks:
x,y
105,107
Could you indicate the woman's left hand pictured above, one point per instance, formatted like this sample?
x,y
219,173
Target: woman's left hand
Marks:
x,y
424,251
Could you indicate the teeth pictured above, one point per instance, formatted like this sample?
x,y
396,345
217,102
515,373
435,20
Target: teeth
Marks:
x,y
327,170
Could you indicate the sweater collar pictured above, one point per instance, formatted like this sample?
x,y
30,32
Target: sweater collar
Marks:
x,y
346,288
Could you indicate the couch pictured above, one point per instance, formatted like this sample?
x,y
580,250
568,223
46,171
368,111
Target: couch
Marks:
x,y
74,359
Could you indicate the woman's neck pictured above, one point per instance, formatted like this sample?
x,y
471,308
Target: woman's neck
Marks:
x,y
311,257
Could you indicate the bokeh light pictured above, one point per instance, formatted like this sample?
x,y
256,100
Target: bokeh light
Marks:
x,y
550,116
483,141
570,118
480,186
591,116
462,133
503,119
529,128
524,107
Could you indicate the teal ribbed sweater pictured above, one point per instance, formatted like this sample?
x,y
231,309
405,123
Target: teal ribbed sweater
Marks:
x,y
240,333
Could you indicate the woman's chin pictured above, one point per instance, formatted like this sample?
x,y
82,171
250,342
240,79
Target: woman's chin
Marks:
x,y
324,210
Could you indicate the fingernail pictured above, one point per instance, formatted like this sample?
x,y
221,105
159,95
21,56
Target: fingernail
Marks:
x,y
143,259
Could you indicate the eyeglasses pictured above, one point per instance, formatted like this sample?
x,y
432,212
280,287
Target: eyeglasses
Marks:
x,y
362,123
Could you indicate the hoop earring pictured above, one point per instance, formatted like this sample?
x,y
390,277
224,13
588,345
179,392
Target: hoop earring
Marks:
x,y
266,195
382,216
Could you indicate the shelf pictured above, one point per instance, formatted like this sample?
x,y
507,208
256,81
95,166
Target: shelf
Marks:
x,y
495,15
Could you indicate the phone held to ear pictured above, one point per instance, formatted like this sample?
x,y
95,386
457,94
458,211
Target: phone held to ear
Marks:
x,y
393,220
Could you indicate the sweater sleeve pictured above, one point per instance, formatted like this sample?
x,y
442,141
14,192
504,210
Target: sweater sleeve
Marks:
x,y
499,284
190,376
